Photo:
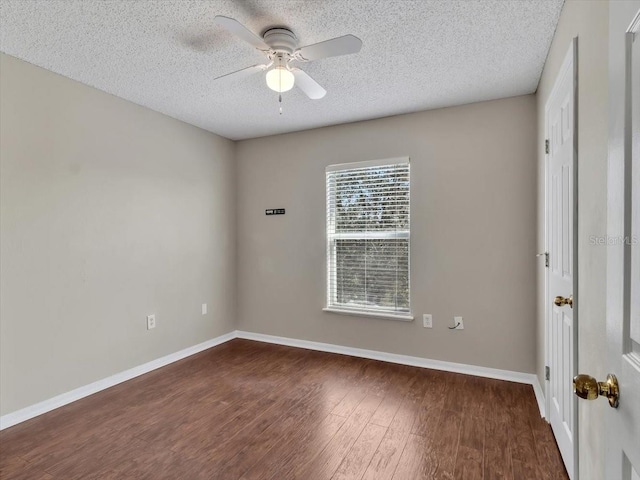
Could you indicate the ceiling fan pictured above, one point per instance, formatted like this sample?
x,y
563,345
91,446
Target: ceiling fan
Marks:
x,y
280,46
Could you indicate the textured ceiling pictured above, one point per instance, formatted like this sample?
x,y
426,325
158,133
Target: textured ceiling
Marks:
x,y
164,54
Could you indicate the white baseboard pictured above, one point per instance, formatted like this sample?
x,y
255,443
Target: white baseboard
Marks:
x,y
537,389
45,406
519,377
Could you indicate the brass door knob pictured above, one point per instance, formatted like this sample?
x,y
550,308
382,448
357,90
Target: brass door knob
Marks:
x,y
587,387
562,301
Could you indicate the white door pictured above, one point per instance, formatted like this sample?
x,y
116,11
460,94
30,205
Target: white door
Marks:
x,y
623,235
561,302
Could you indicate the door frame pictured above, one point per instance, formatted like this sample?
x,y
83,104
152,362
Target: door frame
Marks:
x,y
571,56
621,358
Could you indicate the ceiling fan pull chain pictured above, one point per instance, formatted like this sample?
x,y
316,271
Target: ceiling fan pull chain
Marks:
x,y
280,100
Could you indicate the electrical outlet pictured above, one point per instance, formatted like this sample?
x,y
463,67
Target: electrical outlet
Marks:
x,y
457,321
204,308
151,322
427,320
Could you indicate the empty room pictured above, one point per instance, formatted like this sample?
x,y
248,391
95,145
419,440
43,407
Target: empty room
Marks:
x,y
320,239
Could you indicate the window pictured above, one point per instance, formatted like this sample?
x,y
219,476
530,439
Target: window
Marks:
x,y
368,238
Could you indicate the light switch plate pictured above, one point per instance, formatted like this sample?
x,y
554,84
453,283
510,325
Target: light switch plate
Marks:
x,y
151,322
427,320
204,308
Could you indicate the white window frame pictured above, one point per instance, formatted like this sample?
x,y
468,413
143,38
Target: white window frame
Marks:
x,y
330,237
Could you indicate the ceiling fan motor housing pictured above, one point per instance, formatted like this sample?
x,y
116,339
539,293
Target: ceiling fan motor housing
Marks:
x,y
281,40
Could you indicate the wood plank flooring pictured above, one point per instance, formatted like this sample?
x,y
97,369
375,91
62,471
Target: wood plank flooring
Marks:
x,y
248,410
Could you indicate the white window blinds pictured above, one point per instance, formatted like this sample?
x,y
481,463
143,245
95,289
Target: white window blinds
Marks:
x,y
368,236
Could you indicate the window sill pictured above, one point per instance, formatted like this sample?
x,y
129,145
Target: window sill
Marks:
x,y
359,313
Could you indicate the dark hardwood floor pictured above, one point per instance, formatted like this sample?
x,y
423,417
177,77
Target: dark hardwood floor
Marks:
x,y
248,410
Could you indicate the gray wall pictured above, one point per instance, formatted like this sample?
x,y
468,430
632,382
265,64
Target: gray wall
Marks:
x,y
473,232
589,22
109,212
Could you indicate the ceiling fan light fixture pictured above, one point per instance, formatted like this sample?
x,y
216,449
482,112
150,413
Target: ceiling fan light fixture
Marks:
x,y
280,46
279,79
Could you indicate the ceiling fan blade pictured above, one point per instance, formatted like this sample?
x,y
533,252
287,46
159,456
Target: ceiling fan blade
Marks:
x,y
243,73
239,30
308,85
330,48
